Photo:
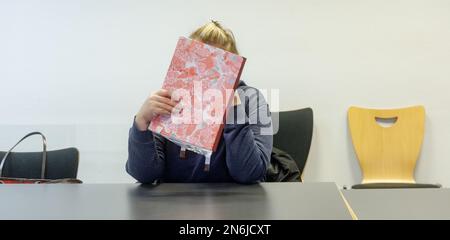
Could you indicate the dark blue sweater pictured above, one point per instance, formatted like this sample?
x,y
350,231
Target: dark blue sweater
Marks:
x,y
243,153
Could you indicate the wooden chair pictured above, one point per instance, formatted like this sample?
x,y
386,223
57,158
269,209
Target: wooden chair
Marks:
x,y
388,155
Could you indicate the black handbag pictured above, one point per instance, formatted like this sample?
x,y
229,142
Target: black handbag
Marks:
x,y
282,167
42,179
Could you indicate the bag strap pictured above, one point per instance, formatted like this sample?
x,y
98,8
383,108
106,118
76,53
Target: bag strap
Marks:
x,y
44,153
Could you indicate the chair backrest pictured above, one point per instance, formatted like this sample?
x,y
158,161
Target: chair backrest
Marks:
x,y
294,135
60,164
387,154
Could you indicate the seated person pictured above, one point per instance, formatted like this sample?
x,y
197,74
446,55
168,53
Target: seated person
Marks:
x,y
244,150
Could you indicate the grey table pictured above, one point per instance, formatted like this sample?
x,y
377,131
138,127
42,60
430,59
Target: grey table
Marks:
x,y
399,203
173,201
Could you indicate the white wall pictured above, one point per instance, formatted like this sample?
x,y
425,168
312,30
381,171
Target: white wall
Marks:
x,y
79,70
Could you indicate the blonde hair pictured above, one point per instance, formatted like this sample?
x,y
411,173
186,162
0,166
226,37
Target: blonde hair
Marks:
x,y
214,34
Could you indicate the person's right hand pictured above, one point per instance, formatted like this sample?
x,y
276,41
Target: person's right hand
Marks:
x,y
159,103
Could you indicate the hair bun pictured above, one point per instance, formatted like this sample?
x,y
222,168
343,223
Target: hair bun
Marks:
x,y
216,23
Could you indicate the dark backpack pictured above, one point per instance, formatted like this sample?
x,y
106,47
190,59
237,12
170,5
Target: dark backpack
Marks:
x,y
282,168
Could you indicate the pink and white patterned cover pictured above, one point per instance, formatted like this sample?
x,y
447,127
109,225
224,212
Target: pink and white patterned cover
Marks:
x,y
212,68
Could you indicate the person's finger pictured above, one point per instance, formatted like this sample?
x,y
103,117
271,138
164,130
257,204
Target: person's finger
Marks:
x,y
163,106
165,100
163,93
161,111
176,97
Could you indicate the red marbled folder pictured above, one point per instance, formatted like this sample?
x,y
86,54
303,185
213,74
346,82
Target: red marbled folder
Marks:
x,y
203,78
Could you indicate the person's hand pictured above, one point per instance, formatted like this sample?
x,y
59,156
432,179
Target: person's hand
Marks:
x,y
159,103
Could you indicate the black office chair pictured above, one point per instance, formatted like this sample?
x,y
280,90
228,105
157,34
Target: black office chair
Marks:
x,y
295,130
60,164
